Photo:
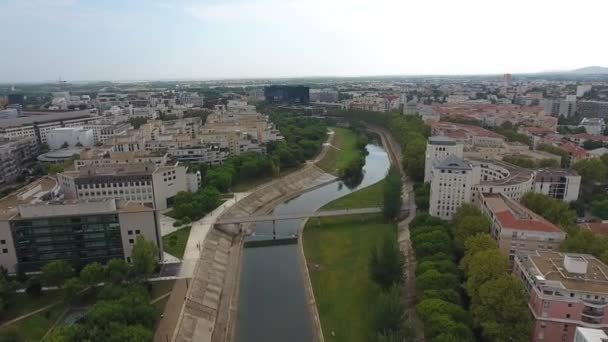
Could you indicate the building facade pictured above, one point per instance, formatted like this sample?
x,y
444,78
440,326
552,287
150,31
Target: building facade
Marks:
x,y
14,156
561,184
437,149
515,227
566,291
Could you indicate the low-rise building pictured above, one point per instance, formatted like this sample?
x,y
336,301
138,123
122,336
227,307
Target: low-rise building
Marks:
x,y
590,335
566,291
515,227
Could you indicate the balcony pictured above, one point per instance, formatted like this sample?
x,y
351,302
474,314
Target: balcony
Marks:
x,y
591,320
593,312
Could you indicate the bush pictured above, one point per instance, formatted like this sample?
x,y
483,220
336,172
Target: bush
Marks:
x,y
34,287
177,223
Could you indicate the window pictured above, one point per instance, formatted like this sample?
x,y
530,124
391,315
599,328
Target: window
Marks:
x,y
3,242
567,315
130,232
4,250
569,305
131,241
137,231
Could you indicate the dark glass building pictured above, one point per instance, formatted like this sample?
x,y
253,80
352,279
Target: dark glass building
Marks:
x,y
287,94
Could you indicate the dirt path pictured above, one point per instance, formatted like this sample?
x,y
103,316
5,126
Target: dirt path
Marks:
x,y
405,244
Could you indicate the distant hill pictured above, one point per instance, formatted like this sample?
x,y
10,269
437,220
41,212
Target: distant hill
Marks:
x,y
591,70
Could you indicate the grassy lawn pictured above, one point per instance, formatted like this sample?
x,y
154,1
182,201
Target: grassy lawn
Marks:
x,y
34,327
337,253
367,197
23,304
175,243
344,151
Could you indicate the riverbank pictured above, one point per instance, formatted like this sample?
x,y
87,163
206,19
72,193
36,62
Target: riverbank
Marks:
x,y
341,153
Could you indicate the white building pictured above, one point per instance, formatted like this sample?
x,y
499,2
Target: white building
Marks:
x,y
581,90
590,334
561,184
71,136
437,149
593,125
451,184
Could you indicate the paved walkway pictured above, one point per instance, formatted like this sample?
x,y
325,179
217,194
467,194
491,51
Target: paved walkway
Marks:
x,y
199,231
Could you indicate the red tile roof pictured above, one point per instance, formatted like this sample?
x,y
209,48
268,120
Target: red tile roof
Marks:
x,y
573,149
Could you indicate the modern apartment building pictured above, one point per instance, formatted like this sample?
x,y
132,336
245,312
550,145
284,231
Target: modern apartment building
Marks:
x,y
437,149
566,291
145,183
451,182
14,156
561,184
515,227
40,124
35,229
287,94
452,187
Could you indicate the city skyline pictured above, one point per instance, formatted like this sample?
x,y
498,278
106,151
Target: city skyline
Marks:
x,y
180,39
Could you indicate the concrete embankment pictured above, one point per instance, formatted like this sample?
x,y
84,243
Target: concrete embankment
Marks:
x,y
210,305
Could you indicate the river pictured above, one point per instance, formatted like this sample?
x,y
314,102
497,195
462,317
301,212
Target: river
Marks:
x,y
272,301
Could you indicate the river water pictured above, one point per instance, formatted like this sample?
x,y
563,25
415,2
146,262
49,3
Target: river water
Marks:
x,y
272,302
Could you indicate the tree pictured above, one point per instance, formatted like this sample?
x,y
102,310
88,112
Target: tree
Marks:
x,y
422,193
484,266
117,270
391,199
430,241
474,245
502,310
92,274
34,287
413,157
55,273
435,280
71,287
386,263
591,170
548,163
10,334
469,226
600,209
387,316
144,256
550,208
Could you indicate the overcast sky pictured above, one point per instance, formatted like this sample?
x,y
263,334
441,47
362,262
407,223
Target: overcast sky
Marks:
x,y
209,39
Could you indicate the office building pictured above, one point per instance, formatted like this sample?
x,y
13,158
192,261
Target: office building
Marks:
x,y
561,184
566,291
560,107
287,94
16,99
35,229
515,227
507,80
437,149
40,124
146,183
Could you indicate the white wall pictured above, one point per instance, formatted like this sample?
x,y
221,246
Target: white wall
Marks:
x,y
73,136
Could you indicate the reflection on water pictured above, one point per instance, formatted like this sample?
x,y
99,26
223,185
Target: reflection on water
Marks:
x,y
272,302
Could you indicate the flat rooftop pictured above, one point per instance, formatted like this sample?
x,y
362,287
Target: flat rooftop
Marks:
x,y
516,174
43,117
513,215
29,194
550,266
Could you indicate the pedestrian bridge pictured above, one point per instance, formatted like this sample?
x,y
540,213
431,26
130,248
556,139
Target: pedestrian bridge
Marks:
x,y
295,216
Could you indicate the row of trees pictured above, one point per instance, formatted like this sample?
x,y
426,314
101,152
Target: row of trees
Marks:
x,y
190,206
388,314
391,194
440,299
498,300
409,131
565,156
529,163
352,175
